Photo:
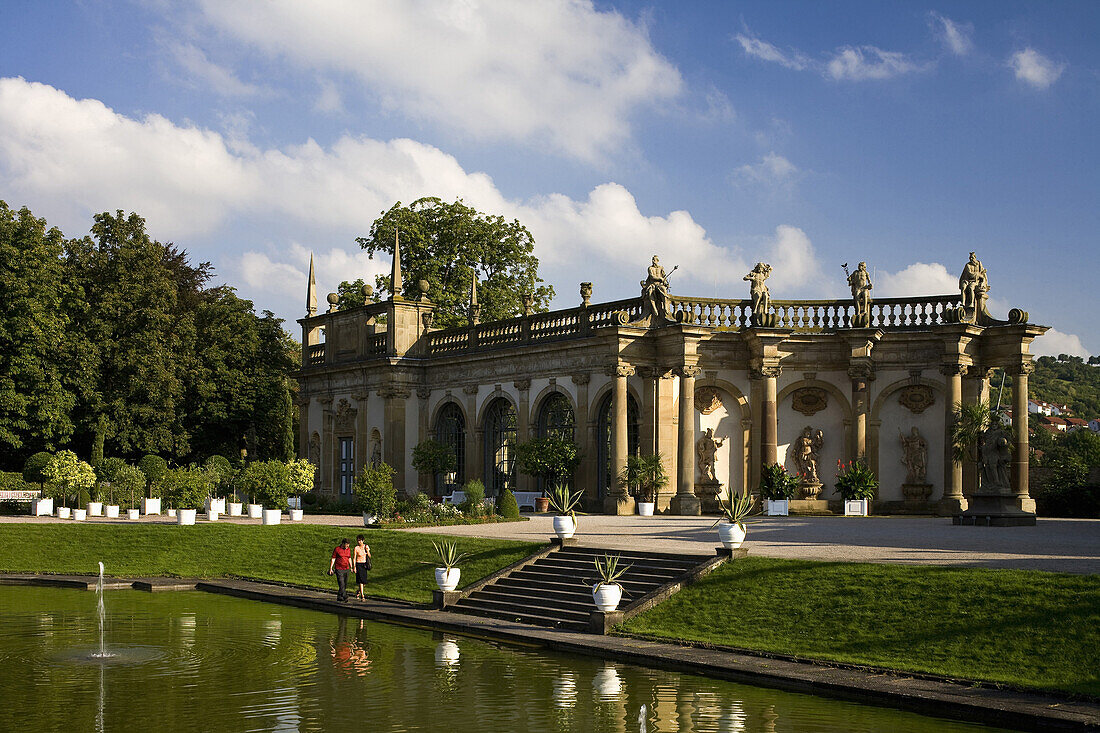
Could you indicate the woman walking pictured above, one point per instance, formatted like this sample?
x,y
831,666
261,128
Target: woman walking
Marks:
x,y
362,564
339,566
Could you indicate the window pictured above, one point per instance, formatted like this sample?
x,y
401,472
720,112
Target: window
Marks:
x,y
347,467
603,445
450,430
500,447
556,417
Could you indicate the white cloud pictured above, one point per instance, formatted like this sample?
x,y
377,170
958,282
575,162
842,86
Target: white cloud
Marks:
x,y
919,278
859,63
955,36
773,170
218,78
1035,69
328,99
561,74
794,263
767,52
287,270
1054,342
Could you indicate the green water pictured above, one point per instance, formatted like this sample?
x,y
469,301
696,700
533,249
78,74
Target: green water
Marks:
x,y
202,662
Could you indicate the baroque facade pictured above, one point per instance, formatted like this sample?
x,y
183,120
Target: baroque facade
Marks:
x,y
757,380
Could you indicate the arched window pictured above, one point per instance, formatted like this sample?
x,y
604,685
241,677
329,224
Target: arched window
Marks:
x,y
450,430
603,446
500,447
556,417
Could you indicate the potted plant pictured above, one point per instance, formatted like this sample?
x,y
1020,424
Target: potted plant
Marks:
x,y
94,506
186,489
448,573
551,459
564,501
647,475
126,480
302,473
857,484
731,525
221,480
374,493
432,458
154,467
777,488
66,475
607,593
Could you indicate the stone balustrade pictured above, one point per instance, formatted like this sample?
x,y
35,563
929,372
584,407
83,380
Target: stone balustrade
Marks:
x,y
819,315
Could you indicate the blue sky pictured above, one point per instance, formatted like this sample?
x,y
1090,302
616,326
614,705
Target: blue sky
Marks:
x,y
804,134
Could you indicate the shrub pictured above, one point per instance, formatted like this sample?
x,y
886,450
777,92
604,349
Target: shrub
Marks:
x,y
154,467
127,486
221,474
775,483
474,505
855,481
34,467
432,457
302,473
309,499
374,491
509,509
185,488
646,474
83,498
268,482
66,475
13,481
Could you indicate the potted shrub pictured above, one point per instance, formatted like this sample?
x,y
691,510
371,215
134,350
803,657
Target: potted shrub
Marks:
x,y
128,480
269,484
607,593
647,475
94,505
107,472
552,459
731,525
221,481
186,489
564,501
448,573
32,474
83,499
302,473
374,493
66,475
433,458
857,484
154,468
777,488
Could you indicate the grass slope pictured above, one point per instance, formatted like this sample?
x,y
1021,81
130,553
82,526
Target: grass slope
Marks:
x,y
287,553
1026,628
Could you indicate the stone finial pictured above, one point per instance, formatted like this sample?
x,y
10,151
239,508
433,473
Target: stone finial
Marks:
x,y
397,284
311,290
528,303
475,309
423,286
333,302
367,291
586,293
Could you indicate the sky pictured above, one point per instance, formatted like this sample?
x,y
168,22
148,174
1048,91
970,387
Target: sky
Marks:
x,y
713,134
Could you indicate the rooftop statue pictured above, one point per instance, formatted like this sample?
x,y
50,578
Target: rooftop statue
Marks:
x,y
974,285
860,283
655,301
758,291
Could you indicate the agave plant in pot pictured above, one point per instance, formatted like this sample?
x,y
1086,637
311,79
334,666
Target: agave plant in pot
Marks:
x,y
731,525
447,572
607,592
777,488
564,501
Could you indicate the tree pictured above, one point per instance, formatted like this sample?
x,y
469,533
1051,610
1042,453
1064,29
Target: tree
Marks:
x,y
432,457
969,422
66,475
35,402
447,244
302,474
351,294
268,481
551,458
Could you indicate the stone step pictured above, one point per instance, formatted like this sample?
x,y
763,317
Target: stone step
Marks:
x,y
537,599
529,616
556,577
637,569
687,561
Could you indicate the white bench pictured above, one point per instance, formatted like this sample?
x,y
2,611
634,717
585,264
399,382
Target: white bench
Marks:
x,y
527,498
456,497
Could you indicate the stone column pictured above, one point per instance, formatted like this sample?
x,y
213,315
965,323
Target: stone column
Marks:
x,y
769,413
328,446
1020,456
860,375
473,434
523,429
618,501
362,430
425,481
303,425
953,501
666,434
975,388
686,502
583,478
393,441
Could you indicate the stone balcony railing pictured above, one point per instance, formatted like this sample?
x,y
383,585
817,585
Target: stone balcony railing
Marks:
x,y
819,315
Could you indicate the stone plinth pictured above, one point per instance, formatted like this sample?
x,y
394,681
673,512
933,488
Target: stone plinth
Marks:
x,y
809,506
707,493
916,494
685,505
998,510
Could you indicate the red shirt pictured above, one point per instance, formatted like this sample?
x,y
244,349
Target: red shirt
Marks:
x,y
342,555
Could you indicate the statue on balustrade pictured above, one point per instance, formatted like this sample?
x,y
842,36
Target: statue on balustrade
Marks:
x,y
807,452
706,450
915,456
974,284
655,299
860,283
758,292
995,455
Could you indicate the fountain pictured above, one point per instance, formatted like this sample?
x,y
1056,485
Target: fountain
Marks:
x,y
642,718
101,612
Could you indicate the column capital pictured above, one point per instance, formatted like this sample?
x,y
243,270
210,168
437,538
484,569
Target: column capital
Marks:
x,y
470,388
621,370
687,371
767,372
423,393
394,392
861,371
522,384
582,378
325,400
1022,369
361,396
302,401
953,369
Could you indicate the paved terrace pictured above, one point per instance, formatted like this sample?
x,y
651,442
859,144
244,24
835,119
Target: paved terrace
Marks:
x,y
1057,545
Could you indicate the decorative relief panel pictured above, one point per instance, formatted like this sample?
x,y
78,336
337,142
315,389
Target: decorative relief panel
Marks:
x,y
707,400
916,397
809,400
345,417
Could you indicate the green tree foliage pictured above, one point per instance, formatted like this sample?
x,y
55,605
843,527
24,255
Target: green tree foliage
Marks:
x,y
35,402
432,457
1066,380
646,474
185,488
154,467
268,482
447,244
351,294
474,504
221,473
66,476
551,458
35,466
509,507
374,491
302,474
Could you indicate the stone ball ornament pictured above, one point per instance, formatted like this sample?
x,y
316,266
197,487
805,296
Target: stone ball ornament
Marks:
x,y
333,299
424,286
367,290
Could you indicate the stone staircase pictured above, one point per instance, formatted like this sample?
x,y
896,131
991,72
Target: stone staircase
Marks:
x,y
556,590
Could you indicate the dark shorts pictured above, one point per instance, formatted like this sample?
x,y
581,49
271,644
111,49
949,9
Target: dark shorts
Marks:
x,y
360,573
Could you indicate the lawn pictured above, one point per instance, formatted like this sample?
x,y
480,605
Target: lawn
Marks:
x,y
1025,628
286,553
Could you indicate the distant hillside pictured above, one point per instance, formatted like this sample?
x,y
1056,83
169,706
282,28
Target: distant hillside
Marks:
x,y
1067,380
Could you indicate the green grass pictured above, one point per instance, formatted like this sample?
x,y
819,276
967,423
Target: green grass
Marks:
x,y
286,553
1023,628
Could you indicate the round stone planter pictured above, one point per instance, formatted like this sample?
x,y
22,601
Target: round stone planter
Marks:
x,y
542,504
606,596
80,515
64,512
133,513
272,516
295,515
645,508
235,509
731,535
95,509
186,517
255,511
564,527
112,511
447,579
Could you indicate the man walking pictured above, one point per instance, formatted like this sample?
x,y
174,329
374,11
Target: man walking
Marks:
x,y
340,565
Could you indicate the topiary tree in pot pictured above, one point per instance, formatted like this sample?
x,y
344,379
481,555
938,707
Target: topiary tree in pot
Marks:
x,y
66,476
647,475
186,490
302,473
269,483
375,495
552,459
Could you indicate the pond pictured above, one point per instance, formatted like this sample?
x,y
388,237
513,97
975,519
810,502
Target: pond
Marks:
x,y
190,661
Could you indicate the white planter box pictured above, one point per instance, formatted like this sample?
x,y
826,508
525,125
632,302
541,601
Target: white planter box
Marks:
x,y
112,511
64,512
217,505
730,535
447,579
295,515
43,507
369,519
607,596
80,515
171,513
212,515
645,508
235,509
255,511
564,527
150,506
779,508
186,516
855,507
95,509
133,513
272,516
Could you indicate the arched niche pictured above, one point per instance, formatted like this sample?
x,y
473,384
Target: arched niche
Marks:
x,y
835,422
730,419
889,419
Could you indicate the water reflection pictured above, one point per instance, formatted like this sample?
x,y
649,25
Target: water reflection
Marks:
x,y
349,651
